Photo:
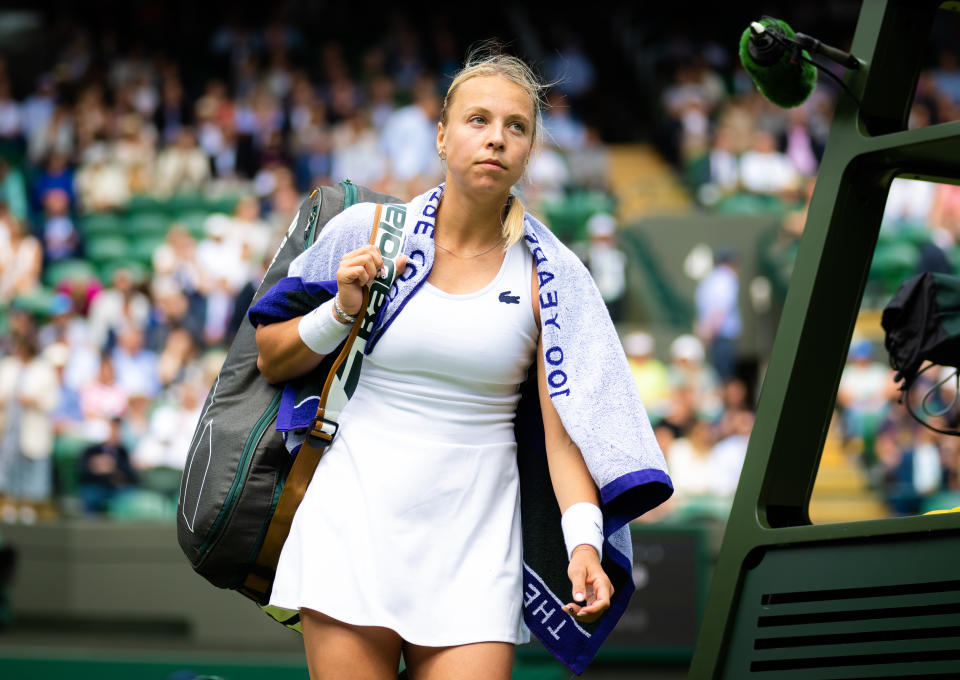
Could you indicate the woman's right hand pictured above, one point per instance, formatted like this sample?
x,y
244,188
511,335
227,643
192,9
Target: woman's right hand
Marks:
x,y
357,269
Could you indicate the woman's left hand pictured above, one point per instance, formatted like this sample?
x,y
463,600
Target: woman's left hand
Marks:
x,y
592,588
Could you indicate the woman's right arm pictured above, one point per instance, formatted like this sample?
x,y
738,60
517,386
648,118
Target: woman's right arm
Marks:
x,y
283,354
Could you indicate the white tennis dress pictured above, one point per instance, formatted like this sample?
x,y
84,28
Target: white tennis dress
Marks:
x,y
412,519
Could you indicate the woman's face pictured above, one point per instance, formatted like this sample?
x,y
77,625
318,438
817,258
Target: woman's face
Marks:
x,y
488,134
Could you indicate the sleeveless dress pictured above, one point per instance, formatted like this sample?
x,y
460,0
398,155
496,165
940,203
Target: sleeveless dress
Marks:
x,y
412,519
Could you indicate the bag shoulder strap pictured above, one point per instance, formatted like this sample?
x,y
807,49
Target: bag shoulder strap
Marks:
x,y
337,390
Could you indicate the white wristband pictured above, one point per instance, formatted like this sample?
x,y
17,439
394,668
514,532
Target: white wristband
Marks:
x,y
582,523
320,331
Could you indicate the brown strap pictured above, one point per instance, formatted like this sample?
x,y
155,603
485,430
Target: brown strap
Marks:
x,y
258,583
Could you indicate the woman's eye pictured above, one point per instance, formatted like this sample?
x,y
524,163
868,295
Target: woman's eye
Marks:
x,y
519,127
476,119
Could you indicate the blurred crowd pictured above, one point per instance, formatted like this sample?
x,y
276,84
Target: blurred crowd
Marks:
x,y
103,372
101,386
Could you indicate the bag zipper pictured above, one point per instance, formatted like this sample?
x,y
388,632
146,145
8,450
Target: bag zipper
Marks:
x,y
246,457
350,193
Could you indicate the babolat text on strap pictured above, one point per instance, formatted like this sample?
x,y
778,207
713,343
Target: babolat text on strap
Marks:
x,y
342,380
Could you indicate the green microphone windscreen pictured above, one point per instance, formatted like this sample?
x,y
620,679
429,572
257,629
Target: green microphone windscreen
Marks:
x,y
784,82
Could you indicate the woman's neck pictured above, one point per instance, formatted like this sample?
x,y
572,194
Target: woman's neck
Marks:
x,y
468,222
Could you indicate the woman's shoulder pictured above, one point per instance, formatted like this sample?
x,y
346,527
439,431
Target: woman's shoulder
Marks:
x,y
551,249
347,230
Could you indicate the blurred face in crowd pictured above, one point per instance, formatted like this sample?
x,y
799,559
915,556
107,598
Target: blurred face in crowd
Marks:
x,y
487,135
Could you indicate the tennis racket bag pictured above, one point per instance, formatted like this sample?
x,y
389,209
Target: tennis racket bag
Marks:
x,y
237,464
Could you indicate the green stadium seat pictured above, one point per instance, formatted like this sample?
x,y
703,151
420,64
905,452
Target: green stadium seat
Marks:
x,y
101,224
67,450
193,221
139,269
142,247
568,218
62,270
893,261
38,303
142,504
185,202
143,203
223,204
107,248
148,224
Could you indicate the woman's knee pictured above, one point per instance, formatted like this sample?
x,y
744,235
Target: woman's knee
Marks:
x,y
336,649
474,661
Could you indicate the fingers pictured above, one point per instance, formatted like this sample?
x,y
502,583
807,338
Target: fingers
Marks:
x,y
578,577
598,590
360,266
401,264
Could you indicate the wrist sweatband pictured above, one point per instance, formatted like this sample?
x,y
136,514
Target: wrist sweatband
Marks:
x,y
320,331
582,523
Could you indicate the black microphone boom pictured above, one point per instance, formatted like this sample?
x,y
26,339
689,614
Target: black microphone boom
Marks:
x,y
814,46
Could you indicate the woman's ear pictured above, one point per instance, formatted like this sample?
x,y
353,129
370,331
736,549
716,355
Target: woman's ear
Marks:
x,y
441,134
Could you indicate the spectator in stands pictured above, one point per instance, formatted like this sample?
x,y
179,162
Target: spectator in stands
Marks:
x,y
55,136
409,140
734,395
135,364
28,396
117,306
865,394
607,263
176,258
248,230
173,309
357,153
692,467
692,377
21,258
723,167
764,169
134,153
799,143
650,374
718,322
729,452
175,112
181,167
561,128
67,417
56,174
61,240
179,352
102,184
163,450
101,400
548,175
908,461
105,471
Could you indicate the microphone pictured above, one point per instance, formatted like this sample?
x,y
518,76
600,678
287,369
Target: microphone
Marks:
x,y
775,63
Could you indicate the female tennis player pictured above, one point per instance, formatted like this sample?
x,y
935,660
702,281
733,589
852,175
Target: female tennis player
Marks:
x,y
408,539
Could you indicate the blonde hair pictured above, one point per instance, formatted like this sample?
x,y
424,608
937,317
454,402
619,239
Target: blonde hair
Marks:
x,y
488,59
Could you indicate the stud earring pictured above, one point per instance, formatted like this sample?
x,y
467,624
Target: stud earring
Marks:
x,y
442,154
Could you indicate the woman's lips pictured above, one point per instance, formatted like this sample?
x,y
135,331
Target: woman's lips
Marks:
x,y
493,165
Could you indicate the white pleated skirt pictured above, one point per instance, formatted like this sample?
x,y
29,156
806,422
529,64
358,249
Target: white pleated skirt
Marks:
x,y
421,537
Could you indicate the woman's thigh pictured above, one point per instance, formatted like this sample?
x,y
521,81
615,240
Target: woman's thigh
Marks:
x,y
336,649
475,661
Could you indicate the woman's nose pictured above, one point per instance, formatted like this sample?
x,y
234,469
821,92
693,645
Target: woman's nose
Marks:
x,y
495,140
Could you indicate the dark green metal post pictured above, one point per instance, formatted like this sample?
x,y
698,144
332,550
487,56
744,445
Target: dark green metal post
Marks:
x,y
773,562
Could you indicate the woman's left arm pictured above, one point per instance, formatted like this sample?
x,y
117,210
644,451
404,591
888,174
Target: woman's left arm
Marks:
x,y
572,484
